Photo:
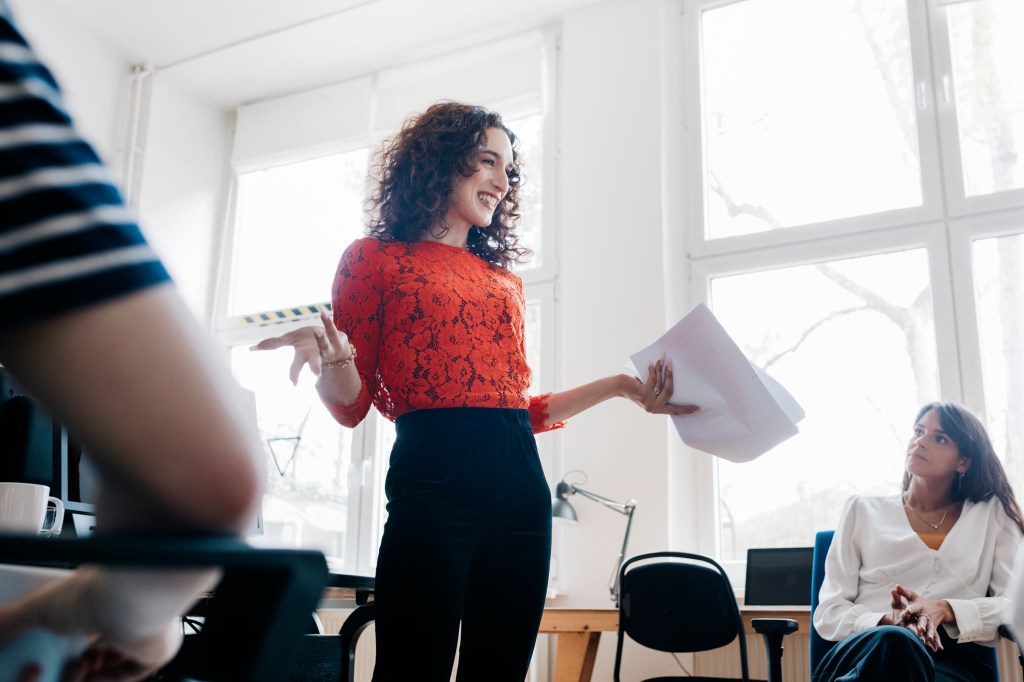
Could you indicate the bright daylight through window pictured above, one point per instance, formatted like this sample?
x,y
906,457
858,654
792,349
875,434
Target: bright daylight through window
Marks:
x,y
862,237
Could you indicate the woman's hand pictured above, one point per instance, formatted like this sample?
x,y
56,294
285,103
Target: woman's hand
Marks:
x,y
313,346
102,660
653,395
125,662
921,616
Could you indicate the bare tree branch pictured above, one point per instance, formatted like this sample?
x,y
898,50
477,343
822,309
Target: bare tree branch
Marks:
x,y
734,209
810,330
895,313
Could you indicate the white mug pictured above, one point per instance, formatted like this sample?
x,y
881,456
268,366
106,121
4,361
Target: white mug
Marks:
x,y
23,508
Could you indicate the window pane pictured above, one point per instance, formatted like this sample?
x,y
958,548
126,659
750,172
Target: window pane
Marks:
x,y
998,264
805,111
854,342
292,223
308,457
988,72
530,131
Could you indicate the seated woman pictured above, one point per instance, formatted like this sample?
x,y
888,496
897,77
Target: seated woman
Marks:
x,y
914,583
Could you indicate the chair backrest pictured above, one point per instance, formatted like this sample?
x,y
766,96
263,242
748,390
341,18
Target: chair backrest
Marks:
x,y
677,602
255,618
819,646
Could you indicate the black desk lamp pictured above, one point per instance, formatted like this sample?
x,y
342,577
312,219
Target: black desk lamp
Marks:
x,y
561,509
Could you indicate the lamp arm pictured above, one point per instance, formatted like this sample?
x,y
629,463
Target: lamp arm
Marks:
x,y
614,586
564,490
621,507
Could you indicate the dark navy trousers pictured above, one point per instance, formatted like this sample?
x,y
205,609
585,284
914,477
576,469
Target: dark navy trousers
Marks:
x,y
467,541
889,652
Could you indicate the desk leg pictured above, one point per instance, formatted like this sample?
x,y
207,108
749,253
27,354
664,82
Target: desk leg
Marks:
x,y
575,654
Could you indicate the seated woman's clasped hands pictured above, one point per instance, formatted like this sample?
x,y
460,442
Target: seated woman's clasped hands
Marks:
x,y
921,616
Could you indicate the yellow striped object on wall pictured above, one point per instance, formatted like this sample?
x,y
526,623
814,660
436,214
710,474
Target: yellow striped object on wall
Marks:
x,y
271,317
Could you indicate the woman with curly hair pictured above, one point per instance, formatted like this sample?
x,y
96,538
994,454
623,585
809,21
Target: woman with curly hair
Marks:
x,y
429,328
915,584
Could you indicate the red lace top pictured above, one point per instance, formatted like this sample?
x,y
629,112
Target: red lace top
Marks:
x,y
435,326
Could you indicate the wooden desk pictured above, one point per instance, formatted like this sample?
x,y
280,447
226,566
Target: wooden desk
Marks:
x,y
579,633
579,630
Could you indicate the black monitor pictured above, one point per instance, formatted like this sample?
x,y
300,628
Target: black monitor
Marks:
x,y
778,576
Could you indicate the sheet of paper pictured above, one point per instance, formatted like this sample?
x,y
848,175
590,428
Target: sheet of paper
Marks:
x,y
744,412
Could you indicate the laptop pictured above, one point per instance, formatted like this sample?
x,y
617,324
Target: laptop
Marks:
x,y
778,576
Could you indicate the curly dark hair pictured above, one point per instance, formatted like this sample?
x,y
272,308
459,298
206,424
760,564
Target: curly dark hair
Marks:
x,y
414,174
985,478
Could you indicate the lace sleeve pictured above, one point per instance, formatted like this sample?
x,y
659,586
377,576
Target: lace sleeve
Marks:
x,y
539,413
357,303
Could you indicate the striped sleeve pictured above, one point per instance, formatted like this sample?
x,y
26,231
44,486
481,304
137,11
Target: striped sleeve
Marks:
x,y
67,239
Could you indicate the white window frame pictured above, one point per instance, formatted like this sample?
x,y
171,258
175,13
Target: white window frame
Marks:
x,y
946,223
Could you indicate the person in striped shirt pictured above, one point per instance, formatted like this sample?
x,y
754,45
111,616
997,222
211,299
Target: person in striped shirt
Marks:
x,y
92,327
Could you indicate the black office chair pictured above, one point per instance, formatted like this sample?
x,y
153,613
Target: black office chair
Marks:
x,y
679,602
252,624
327,657
820,646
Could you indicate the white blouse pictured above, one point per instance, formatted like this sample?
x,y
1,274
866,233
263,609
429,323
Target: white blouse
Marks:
x,y
875,549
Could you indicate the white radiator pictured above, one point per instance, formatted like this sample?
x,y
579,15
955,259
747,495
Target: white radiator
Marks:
x,y
331,619
725,662
795,660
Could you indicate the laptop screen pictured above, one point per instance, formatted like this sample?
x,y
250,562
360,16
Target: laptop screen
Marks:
x,y
778,576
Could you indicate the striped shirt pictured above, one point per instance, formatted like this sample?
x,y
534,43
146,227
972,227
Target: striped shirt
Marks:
x,y
67,239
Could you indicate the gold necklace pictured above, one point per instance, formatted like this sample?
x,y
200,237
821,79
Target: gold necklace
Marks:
x,y
935,526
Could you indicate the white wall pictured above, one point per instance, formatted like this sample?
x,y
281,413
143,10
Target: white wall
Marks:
x,y
612,297
184,180
183,153
91,73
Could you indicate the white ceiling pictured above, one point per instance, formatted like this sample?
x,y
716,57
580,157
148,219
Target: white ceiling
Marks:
x,y
235,51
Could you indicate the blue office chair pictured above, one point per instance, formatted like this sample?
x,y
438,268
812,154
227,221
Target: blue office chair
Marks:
x,y
819,646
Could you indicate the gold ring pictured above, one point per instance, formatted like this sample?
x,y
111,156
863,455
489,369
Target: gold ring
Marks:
x,y
657,390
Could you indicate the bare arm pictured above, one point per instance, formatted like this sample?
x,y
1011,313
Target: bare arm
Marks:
x,y
142,388
652,395
315,346
145,392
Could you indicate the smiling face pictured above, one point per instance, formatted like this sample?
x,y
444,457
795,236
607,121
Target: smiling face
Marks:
x,y
931,453
475,198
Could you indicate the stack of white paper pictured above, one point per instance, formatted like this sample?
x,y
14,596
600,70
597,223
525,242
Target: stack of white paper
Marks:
x,y
744,412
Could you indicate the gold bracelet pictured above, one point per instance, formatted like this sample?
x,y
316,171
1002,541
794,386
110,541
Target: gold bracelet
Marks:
x,y
338,364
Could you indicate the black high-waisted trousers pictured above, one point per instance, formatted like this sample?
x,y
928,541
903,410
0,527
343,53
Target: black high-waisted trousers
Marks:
x,y
468,539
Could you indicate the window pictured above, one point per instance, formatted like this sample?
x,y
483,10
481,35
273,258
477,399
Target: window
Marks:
x,y
530,131
999,291
788,136
858,349
315,468
297,218
859,235
987,83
